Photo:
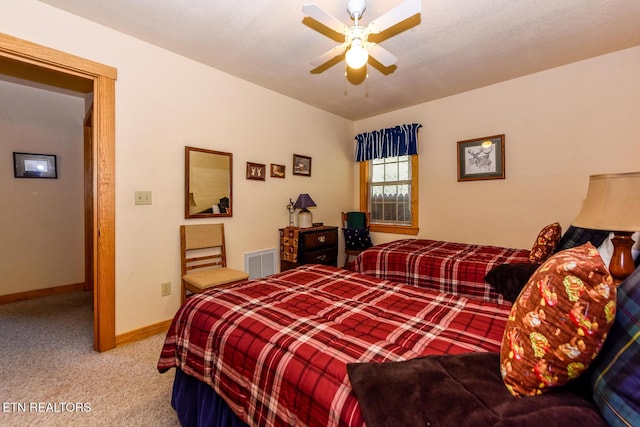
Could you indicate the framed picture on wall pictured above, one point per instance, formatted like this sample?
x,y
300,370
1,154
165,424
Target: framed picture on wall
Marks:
x,y
277,171
256,171
301,165
481,158
29,165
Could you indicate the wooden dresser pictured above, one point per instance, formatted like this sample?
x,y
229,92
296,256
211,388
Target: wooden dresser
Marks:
x,y
315,245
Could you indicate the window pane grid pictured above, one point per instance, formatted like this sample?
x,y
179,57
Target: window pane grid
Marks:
x,y
390,190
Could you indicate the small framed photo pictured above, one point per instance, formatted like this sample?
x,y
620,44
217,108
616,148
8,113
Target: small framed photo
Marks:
x,y
481,158
301,165
277,171
29,165
256,171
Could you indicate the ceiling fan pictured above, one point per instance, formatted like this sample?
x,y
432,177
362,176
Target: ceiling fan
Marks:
x,y
356,44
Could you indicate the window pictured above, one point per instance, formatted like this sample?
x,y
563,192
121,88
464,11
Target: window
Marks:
x,y
389,192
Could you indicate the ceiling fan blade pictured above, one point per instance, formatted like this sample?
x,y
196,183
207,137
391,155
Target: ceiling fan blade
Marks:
x,y
403,11
325,18
329,55
381,54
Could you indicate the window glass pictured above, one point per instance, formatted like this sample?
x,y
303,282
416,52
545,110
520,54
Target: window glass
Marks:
x,y
390,190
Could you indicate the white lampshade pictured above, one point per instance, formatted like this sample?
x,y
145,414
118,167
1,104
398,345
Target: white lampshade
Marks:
x,y
612,203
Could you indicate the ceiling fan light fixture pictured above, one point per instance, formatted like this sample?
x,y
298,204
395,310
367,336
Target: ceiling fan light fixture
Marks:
x,y
357,55
356,47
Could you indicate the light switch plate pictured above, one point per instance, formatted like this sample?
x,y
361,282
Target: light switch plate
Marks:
x,y
143,197
165,289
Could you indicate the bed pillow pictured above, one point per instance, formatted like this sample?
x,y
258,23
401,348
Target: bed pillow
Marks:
x,y
509,279
558,322
615,374
545,243
577,236
357,238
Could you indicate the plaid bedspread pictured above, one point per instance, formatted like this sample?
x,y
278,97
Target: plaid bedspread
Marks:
x,y
276,349
457,268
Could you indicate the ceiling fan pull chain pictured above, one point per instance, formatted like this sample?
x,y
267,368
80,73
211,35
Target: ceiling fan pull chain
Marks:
x,y
366,84
346,77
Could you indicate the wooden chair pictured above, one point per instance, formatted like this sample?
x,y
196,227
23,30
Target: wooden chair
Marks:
x,y
356,233
204,259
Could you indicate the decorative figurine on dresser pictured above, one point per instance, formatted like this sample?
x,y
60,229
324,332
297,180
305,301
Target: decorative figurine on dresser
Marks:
x,y
313,245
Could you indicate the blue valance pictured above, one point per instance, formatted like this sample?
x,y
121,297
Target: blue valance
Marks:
x,y
401,140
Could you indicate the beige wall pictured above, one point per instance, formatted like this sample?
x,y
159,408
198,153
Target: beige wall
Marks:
x,y
561,126
41,220
164,102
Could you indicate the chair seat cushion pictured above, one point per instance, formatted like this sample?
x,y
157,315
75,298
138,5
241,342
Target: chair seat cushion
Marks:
x,y
205,279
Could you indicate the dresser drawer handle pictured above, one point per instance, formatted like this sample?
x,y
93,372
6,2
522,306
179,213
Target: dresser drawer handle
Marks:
x,y
321,257
322,238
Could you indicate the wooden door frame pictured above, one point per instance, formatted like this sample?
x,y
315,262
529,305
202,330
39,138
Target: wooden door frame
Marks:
x,y
87,154
103,78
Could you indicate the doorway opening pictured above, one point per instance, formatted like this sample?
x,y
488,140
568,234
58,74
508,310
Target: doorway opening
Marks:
x,y
35,62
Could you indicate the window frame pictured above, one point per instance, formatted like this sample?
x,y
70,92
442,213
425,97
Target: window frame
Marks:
x,y
365,194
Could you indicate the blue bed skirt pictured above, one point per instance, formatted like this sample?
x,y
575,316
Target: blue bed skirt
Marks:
x,y
198,405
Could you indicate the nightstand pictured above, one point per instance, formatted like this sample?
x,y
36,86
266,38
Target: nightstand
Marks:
x,y
315,245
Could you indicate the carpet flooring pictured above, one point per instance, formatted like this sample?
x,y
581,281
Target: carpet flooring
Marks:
x,y
51,376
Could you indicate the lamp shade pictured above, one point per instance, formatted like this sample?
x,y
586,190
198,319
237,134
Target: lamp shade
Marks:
x,y
612,203
304,201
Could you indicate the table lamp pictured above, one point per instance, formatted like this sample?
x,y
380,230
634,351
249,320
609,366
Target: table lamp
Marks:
x,y
613,203
305,219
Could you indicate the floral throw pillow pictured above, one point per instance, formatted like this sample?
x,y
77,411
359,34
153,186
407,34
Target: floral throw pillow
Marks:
x,y
558,323
545,243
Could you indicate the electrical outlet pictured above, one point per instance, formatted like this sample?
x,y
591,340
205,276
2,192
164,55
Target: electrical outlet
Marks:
x,y
165,289
143,197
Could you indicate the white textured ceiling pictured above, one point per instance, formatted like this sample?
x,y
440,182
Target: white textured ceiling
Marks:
x,y
451,47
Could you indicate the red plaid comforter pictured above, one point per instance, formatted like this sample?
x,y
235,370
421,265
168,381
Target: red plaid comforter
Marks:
x,y
276,349
457,268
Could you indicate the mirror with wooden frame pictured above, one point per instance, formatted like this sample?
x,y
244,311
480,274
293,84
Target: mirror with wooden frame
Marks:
x,y
207,183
